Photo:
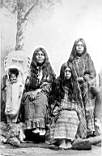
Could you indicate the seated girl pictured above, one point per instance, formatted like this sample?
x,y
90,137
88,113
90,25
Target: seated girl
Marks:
x,y
69,119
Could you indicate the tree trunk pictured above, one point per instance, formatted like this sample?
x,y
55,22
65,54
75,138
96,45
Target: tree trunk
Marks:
x,y
24,8
20,25
1,3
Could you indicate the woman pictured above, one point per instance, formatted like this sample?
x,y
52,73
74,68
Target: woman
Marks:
x,y
69,121
38,87
85,74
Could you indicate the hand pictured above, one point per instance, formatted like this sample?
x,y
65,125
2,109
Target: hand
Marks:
x,y
80,79
32,96
56,110
64,106
27,81
38,90
34,93
44,84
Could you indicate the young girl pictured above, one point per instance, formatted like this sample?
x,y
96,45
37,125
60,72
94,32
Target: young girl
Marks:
x,y
69,119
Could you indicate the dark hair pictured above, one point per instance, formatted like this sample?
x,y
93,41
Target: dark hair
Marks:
x,y
63,67
13,71
61,82
35,53
73,52
47,71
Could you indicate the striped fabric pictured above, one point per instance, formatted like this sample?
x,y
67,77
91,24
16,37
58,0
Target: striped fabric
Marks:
x,y
66,125
89,108
69,122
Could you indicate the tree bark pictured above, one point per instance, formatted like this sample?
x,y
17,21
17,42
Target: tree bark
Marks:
x,y
24,8
20,25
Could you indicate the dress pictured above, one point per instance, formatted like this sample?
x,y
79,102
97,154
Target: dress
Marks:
x,y
82,66
35,110
67,123
35,98
68,119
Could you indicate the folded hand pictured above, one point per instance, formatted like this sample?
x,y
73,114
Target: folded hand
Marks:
x,y
80,79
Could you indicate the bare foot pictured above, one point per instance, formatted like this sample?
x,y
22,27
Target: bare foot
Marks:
x,y
42,132
62,144
68,145
36,130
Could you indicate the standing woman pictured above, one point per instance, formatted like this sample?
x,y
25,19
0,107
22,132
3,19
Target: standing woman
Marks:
x,y
85,74
38,87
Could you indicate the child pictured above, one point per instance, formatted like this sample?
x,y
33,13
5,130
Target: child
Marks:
x,y
13,89
69,119
13,96
13,78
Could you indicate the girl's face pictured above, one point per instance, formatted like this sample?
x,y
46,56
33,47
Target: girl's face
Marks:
x,y
79,48
67,73
40,57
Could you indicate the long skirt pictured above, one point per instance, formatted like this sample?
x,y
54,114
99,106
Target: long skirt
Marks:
x,y
70,119
66,125
35,111
89,103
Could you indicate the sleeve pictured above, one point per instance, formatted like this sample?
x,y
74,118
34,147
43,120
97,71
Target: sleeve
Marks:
x,y
100,79
3,88
46,84
46,87
90,72
31,83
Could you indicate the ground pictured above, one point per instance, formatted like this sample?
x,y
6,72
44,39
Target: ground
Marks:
x,y
6,150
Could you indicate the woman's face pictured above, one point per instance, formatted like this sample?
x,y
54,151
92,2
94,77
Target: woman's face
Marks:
x,y
40,57
79,48
67,73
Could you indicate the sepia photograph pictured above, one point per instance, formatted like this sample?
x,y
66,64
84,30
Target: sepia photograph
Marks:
x,y
51,77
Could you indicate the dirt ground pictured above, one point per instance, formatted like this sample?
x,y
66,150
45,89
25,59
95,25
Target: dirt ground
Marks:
x,y
6,150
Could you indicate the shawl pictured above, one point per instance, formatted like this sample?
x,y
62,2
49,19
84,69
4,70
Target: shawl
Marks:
x,y
83,64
